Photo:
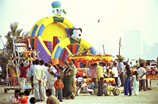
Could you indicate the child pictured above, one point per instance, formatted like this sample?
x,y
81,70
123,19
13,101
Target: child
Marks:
x,y
136,83
51,99
27,94
32,100
59,85
15,99
23,99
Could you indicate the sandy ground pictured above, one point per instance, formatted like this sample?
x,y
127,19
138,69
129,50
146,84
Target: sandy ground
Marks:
x,y
145,97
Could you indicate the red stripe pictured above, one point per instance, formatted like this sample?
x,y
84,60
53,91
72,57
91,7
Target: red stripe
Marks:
x,y
54,42
35,42
68,47
63,56
45,42
74,48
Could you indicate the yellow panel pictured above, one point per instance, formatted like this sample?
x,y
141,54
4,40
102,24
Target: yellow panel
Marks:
x,y
68,23
85,44
47,20
54,29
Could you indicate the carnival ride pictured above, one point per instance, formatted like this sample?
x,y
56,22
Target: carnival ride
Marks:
x,y
51,38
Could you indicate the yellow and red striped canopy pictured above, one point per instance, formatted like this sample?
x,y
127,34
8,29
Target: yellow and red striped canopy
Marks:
x,y
91,58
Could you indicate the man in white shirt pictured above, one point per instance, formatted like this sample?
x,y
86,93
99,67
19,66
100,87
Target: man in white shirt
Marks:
x,y
142,75
51,77
38,79
121,68
115,72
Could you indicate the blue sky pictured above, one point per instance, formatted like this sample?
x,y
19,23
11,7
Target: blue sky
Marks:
x,y
116,17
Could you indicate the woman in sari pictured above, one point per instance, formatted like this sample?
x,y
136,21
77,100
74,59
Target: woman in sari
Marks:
x,y
12,73
67,82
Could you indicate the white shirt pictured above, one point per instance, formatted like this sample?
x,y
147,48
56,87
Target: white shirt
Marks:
x,y
141,71
50,76
121,67
38,73
115,71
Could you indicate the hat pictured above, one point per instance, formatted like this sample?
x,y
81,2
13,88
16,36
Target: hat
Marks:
x,y
56,4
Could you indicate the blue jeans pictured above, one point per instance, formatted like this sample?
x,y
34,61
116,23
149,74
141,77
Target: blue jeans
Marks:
x,y
127,87
59,94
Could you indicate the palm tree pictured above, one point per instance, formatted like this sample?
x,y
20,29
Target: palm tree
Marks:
x,y
8,49
13,32
119,58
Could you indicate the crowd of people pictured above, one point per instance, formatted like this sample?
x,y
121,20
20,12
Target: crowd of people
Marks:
x,y
45,80
54,82
125,75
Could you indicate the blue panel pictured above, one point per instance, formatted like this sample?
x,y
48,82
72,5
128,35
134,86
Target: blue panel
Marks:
x,y
58,52
62,52
93,50
34,30
40,30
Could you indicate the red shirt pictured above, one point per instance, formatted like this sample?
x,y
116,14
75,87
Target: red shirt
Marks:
x,y
24,100
23,71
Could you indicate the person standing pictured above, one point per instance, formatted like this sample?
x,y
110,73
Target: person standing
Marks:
x,y
142,75
43,85
38,80
23,75
59,85
115,73
93,73
127,84
31,74
67,92
51,77
121,72
100,78
73,71
136,83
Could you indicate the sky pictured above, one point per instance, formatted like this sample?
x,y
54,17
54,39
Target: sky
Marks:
x,y
116,18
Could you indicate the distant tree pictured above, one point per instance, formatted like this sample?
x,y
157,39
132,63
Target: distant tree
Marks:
x,y
8,49
119,58
14,31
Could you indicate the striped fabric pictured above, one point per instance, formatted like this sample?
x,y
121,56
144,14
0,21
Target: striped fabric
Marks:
x,y
48,45
55,42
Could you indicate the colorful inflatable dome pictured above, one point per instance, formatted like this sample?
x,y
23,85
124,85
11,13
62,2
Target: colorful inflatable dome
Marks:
x,y
51,38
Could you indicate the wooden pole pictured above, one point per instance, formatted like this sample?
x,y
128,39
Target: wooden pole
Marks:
x,y
103,49
119,46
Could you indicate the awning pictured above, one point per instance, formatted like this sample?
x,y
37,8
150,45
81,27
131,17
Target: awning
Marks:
x,y
91,58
